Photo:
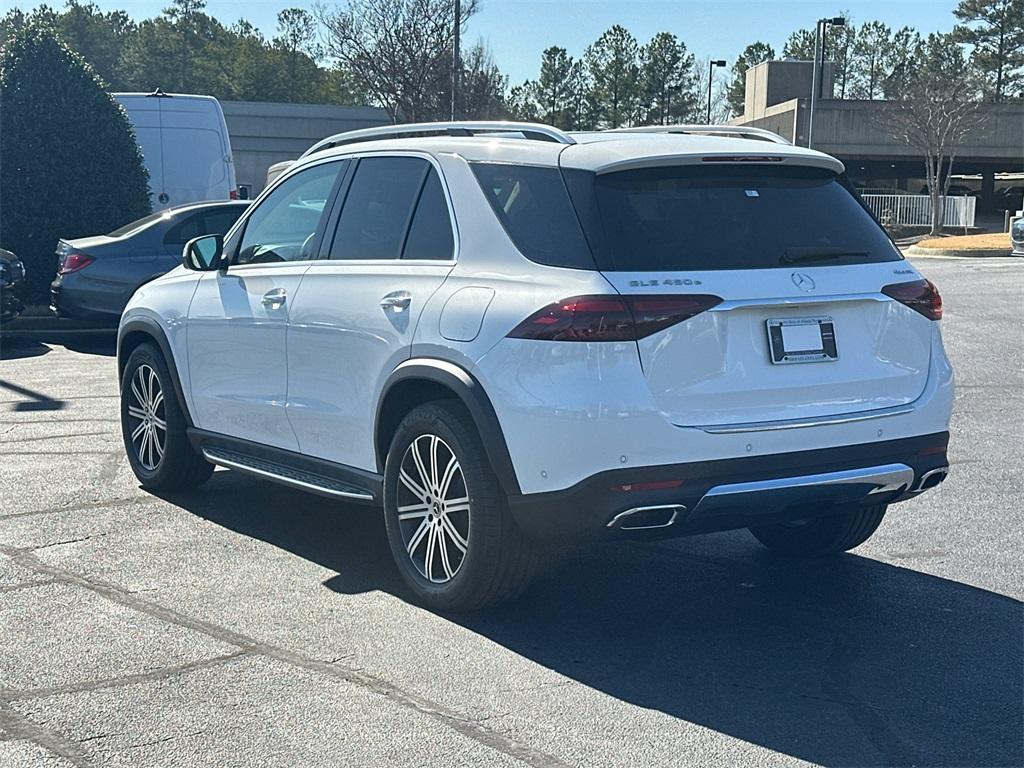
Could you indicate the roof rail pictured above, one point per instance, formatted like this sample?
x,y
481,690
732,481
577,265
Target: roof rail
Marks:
x,y
535,131
733,131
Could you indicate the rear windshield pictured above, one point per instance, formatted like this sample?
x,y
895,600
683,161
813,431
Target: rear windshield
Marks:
x,y
725,217
145,221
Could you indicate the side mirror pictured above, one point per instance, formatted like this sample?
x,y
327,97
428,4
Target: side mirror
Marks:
x,y
203,254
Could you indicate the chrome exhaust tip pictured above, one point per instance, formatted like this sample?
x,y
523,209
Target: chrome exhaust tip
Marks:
x,y
647,518
930,479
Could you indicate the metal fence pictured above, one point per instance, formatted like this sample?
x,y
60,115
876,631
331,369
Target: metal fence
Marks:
x,y
916,210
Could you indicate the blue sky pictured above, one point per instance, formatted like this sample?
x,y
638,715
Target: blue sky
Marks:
x,y
518,30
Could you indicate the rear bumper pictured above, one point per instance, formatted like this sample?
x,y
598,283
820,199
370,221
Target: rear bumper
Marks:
x,y
723,494
65,301
10,305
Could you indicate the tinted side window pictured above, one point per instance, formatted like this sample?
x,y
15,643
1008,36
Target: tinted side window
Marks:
x,y
533,206
283,224
209,221
378,208
191,225
430,236
219,220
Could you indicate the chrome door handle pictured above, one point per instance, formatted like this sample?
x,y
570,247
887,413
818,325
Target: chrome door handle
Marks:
x,y
398,301
275,299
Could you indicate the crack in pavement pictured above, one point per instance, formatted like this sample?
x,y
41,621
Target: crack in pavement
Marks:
x,y
19,422
165,738
161,673
37,547
465,726
142,499
62,453
68,399
18,727
99,736
27,585
17,440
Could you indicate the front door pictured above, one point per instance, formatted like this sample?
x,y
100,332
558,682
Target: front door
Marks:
x,y
238,318
354,320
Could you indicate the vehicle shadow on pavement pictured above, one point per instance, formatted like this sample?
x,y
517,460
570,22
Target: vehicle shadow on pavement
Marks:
x,y
15,348
22,345
845,661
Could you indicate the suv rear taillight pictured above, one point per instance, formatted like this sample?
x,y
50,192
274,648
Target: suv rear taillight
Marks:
x,y
72,261
920,295
610,318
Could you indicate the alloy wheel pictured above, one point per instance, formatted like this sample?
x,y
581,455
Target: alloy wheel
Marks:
x,y
147,420
433,508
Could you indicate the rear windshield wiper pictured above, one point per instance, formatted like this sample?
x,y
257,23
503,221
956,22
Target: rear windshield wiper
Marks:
x,y
796,255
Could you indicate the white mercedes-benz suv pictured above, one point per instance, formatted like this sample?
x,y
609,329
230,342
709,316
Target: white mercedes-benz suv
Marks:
x,y
508,337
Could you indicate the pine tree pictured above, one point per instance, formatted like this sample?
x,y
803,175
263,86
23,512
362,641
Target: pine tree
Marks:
x,y
995,29
613,70
752,55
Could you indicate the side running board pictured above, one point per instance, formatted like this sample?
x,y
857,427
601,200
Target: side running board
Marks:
x,y
296,478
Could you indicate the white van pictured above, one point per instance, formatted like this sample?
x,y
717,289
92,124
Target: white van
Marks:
x,y
185,146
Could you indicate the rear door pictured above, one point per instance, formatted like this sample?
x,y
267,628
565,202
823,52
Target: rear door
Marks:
x,y
196,156
802,329
354,319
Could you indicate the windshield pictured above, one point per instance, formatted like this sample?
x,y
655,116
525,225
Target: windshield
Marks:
x,y
725,217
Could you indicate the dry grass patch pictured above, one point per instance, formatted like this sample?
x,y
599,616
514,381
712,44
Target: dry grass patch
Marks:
x,y
969,242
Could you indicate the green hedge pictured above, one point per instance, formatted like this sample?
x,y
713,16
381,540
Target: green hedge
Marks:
x,y
69,164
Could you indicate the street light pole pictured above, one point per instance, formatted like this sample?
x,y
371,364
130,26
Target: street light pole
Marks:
x,y
666,118
456,60
817,73
711,77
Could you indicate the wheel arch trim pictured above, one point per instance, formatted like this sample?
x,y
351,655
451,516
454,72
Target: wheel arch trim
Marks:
x,y
471,394
152,328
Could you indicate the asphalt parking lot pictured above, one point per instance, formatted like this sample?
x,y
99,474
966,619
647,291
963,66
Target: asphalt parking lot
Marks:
x,y
251,625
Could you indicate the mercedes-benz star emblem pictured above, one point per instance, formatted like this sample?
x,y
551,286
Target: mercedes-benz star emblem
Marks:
x,y
803,281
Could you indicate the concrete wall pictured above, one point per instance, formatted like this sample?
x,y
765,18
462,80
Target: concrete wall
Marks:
x,y
774,82
778,99
263,133
855,130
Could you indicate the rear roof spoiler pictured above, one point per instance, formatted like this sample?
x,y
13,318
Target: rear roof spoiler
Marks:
x,y
727,131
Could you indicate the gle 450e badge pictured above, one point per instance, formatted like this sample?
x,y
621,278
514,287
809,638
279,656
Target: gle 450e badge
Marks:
x,y
666,281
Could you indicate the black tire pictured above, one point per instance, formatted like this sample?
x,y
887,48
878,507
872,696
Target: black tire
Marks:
x,y
821,536
179,467
497,562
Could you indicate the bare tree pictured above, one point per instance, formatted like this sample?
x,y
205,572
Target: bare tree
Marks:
x,y
936,110
720,109
398,51
483,86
